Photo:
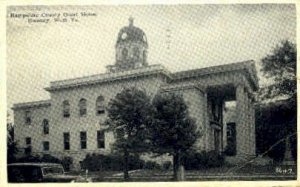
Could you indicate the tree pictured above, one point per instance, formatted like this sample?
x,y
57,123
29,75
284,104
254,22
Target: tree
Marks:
x,y
277,120
173,132
129,116
280,67
12,149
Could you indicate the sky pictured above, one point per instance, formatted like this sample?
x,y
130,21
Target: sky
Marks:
x,y
200,36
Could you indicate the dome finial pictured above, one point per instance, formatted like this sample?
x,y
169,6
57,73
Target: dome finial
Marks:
x,y
130,21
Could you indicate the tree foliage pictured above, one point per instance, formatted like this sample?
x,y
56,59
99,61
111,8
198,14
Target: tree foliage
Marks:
x,y
280,67
274,122
174,131
12,149
129,116
277,120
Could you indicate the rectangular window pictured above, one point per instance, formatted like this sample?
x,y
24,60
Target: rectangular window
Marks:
x,y
231,139
27,117
83,140
100,139
67,141
28,146
28,141
46,146
46,126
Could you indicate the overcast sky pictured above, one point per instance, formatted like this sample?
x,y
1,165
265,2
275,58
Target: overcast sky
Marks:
x,y
200,36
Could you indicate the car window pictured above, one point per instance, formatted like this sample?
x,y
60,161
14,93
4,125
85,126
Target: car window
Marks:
x,y
52,170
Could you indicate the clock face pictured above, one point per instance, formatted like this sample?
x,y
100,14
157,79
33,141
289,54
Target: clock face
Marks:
x,y
124,36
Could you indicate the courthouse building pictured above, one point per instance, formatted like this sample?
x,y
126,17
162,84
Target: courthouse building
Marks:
x,y
71,122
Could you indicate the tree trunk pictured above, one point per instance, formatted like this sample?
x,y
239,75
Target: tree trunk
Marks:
x,y
175,166
126,157
180,173
178,168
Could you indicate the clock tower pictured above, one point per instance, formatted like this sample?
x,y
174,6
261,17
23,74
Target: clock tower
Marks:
x,y
131,49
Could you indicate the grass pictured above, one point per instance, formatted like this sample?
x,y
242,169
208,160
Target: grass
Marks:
x,y
247,173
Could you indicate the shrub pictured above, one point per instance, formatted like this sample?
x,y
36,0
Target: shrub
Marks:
x,y
230,149
29,158
167,165
67,163
98,162
202,160
51,159
135,163
151,165
215,159
37,158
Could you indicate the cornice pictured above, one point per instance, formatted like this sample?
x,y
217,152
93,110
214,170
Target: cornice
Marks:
x,y
108,77
246,66
34,104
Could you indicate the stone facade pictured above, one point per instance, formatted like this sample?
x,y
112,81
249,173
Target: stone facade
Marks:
x,y
204,90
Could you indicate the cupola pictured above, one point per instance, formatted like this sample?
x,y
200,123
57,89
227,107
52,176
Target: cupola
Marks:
x,y
131,48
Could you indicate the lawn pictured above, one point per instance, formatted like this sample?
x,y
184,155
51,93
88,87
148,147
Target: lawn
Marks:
x,y
247,173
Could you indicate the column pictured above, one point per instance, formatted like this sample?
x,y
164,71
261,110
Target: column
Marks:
x,y
240,121
205,120
252,125
246,123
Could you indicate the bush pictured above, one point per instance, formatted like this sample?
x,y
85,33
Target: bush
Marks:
x,y
98,162
135,163
36,158
202,160
167,165
29,158
151,165
67,163
50,159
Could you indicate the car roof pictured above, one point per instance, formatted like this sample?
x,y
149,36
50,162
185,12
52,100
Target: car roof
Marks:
x,y
34,164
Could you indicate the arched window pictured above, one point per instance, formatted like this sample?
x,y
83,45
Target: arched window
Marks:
x,y
124,53
100,106
82,107
66,109
46,126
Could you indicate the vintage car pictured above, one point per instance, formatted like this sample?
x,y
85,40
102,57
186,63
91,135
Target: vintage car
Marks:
x,y
38,172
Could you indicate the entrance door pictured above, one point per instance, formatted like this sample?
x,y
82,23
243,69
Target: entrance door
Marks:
x,y
217,139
